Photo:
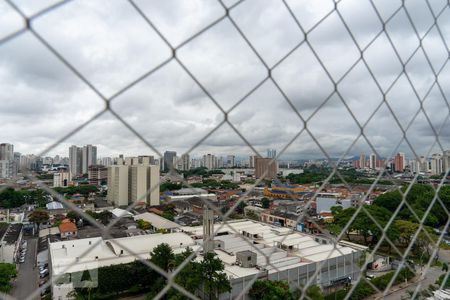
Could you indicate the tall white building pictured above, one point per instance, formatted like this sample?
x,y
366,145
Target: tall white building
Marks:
x,y
209,161
185,162
446,161
436,164
133,180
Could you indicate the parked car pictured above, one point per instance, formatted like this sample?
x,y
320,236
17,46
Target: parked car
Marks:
x,y
45,290
43,273
22,260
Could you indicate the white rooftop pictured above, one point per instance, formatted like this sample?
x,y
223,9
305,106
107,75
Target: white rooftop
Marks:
x,y
157,221
84,254
54,205
118,213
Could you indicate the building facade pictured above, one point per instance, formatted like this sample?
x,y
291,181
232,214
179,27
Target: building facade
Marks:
x,y
75,160
133,180
89,157
265,167
97,174
61,179
168,160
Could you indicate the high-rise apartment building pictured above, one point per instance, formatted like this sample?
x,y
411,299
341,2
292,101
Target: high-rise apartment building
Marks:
x,y
80,158
251,161
133,180
265,165
97,174
7,169
231,161
271,153
436,164
185,162
209,161
168,160
8,166
399,162
362,161
6,151
105,161
373,161
75,161
89,157
446,161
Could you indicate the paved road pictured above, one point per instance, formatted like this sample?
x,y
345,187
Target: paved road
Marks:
x,y
27,279
430,278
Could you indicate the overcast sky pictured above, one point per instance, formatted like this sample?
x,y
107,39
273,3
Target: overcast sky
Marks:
x,y
41,100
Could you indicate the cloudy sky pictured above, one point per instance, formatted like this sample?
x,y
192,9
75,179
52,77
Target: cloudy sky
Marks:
x,y
111,45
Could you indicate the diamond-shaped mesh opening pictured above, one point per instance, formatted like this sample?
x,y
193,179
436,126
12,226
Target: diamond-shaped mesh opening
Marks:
x,y
362,84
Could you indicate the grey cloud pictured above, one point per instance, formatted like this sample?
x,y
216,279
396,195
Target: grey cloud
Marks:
x,y
41,100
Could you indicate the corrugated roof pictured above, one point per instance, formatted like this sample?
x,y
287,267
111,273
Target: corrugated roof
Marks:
x,y
157,221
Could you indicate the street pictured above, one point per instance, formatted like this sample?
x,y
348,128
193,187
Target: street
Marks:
x,y
26,282
430,278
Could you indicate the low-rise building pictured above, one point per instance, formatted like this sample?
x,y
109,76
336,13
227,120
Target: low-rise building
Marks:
x,y
248,250
68,229
11,236
158,223
74,256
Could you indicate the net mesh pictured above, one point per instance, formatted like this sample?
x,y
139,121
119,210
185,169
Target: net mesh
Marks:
x,y
370,49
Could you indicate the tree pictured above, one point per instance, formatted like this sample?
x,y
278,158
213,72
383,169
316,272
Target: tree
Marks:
x,y
189,276
335,210
169,212
265,202
240,207
270,290
389,200
342,218
162,256
364,224
214,280
72,216
314,292
104,216
252,215
444,267
144,225
7,272
407,231
38,217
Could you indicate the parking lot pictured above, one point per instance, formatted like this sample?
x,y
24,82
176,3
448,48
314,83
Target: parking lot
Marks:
x,y
27,279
